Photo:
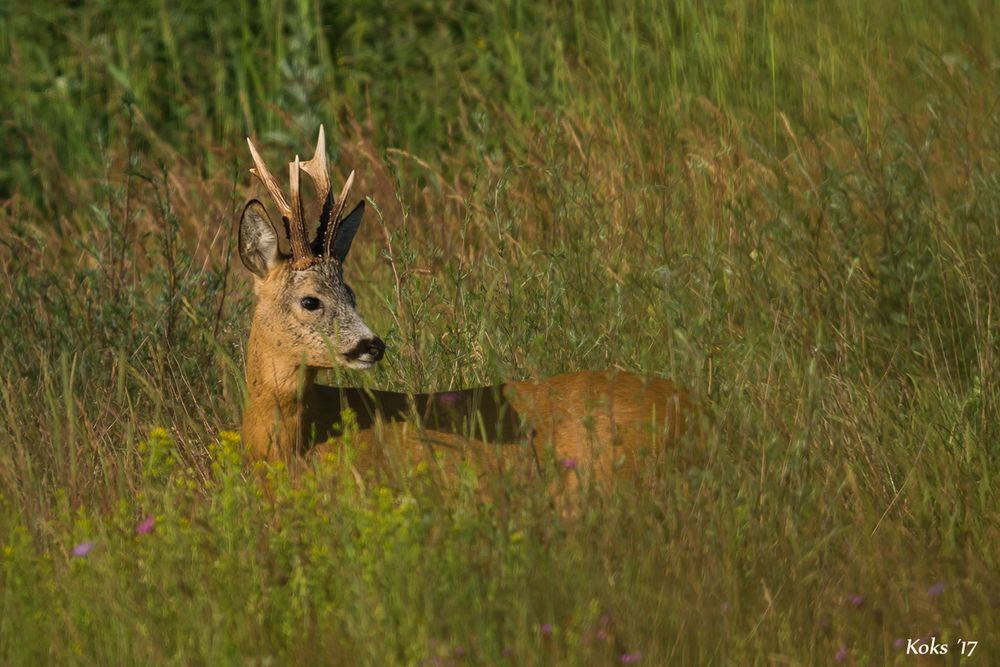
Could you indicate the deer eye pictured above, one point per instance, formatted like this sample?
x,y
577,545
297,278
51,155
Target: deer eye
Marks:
x,y
310,303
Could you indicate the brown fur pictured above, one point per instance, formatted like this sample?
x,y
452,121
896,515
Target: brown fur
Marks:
x,y
596,424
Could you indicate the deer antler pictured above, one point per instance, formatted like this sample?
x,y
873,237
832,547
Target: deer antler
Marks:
x,y
341,202
305,254
302,256
319,172
261,171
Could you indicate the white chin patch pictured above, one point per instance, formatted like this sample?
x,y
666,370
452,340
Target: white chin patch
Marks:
x,y
363,362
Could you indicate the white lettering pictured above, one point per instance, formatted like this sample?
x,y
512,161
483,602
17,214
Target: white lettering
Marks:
x,y
922,647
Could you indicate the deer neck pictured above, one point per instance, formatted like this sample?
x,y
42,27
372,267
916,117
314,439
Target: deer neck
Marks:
x,y
278,391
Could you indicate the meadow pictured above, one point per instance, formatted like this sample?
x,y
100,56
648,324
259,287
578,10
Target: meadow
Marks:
x,y
790,208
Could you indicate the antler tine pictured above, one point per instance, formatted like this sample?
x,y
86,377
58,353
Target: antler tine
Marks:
x,y
331,231
319,172
261,172
302,255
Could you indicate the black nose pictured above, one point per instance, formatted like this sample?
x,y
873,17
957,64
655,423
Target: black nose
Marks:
x,y
376,348
371,346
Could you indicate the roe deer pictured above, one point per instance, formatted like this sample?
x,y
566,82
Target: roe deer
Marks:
x,y
597,422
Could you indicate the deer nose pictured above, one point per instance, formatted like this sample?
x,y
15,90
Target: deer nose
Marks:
x,y
376,348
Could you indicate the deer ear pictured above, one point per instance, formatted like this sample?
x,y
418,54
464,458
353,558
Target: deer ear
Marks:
x,y
346,230
258,242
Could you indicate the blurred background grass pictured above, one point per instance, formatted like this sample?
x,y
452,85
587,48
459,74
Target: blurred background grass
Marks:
x,y
791,208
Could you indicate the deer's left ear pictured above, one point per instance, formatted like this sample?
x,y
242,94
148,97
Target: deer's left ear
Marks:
x,y
258,241
346,230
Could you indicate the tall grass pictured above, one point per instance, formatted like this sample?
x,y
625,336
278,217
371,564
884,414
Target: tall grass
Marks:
x,y
792,209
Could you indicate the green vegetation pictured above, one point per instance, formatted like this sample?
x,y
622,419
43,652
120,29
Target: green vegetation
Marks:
x,y
791,208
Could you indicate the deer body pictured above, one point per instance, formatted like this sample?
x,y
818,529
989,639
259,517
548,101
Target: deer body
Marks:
x,y
600,422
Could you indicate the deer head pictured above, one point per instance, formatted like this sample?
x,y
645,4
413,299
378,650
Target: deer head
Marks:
x,y
305,312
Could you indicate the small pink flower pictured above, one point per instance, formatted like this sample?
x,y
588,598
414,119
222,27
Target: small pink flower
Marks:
x,y
568,464
448,398
547,629
603,626
629,658
82,549
146,525
856,600
841,654
899,643
936,590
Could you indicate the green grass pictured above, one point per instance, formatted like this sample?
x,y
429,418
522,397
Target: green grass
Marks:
x,y
791,209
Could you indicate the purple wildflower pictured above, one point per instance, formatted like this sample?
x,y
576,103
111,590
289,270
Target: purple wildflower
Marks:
x,y
547,629
146,525
82,549
936,590
603,625
629,658
841,654
568,464
899,643
856,600
448,398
